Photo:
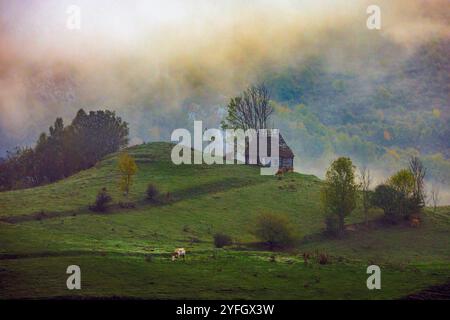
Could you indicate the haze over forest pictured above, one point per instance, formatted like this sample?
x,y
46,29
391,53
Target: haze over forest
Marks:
x,y
338,88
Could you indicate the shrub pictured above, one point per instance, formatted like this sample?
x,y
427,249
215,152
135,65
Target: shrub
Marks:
x,y
102,200
127,205
168,197
274,230
323,258
221,240
306,256
152,192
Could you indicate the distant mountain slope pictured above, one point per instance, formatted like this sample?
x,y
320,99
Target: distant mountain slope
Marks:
x,y
404,108
407,99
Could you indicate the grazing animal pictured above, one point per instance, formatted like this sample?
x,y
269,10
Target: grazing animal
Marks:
x,y
415,222
178,253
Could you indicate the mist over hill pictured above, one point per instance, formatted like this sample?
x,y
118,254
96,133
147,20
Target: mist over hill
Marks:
x,y
339,88
91,186
401,112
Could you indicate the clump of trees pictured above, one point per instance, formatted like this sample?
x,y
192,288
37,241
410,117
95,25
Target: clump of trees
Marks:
x,y
403,195
64,150
274,230
339,194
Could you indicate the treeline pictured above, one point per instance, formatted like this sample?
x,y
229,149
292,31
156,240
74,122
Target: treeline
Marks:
x,y
64,150
401,197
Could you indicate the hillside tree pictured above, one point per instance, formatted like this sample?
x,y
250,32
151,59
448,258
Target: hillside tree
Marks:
x,y
339,193
97,134
435,196
365,181
386,198
403,183
418,172
250,110
127,168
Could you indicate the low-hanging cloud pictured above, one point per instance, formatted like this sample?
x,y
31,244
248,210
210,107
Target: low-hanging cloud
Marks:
x,y
154,57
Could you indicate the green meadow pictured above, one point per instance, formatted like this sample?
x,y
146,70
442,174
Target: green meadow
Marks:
x,y
126,252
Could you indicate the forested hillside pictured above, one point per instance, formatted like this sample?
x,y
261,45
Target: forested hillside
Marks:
x,y
375,119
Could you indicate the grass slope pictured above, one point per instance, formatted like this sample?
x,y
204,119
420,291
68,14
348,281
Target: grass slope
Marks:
x,y
125,252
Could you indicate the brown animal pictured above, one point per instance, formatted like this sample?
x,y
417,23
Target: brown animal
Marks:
x,y
414,222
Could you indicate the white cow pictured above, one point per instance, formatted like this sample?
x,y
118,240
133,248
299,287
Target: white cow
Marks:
x,y
178,253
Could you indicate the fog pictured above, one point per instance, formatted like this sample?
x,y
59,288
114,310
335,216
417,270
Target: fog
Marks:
x,y
156,62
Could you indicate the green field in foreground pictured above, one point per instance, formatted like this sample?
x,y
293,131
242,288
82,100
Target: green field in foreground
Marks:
x,y
126,252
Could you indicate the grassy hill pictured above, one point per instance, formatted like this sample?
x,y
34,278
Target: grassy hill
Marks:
x,y
126,252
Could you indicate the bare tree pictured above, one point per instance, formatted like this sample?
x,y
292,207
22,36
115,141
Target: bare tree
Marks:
x,y
251,110
365,181
434,195
419,171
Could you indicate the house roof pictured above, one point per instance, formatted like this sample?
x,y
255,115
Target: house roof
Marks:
x,y
284,151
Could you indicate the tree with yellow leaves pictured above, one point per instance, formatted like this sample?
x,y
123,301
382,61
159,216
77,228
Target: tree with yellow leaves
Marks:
x,y
127,168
